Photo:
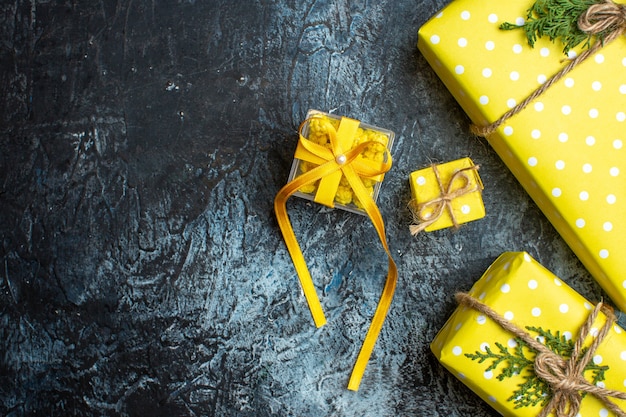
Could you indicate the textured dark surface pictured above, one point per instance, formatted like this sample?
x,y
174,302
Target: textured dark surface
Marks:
x,y
143,272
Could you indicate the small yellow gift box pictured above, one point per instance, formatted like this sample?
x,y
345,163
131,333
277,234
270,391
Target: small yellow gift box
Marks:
x,y
339,162
480,344
446,195
334,190
567,146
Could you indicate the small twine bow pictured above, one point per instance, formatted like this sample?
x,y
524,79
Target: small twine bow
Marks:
x,y
607,17
427,213
606,20
564,375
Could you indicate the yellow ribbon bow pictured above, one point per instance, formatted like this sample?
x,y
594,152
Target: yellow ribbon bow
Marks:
x,y
332,164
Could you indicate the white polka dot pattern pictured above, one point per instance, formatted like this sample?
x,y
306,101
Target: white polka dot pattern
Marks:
x,y
567,147
526,294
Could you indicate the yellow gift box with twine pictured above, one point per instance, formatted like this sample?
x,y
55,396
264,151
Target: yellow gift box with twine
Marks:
x,y
557,120
339,162
529,345
446,195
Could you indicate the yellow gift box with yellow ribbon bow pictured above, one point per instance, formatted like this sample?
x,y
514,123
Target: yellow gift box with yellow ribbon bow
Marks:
x,y
334,190
339,162
446,195
525,342
566,147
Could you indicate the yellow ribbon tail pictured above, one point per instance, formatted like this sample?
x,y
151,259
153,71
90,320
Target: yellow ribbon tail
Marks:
x,y
364,197
390,284
375,327
280,208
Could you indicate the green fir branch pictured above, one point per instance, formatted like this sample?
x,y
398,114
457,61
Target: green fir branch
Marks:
x,y
556,19
531,392
557,343
512,362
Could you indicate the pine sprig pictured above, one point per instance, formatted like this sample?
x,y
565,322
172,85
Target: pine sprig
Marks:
x,y
557,343
520,361
531,392
556,19
514,363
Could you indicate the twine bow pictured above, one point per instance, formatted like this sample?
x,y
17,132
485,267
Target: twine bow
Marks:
x,y
564,375
332,163
427,213
606,20
607,17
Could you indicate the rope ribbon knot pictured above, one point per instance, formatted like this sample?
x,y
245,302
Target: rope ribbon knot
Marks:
x,y
563,375
428,212
332,164
607,17
607,20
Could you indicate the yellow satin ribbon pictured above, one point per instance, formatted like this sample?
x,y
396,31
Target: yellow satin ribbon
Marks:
x,y
332,164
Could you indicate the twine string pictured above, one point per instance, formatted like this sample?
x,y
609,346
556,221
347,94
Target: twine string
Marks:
x,y
427,213
606,18
564,376
603,17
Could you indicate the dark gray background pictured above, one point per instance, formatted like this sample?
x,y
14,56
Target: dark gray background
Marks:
x,y
143,272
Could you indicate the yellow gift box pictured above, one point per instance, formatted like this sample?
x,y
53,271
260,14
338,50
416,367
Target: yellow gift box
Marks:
x,y
528,296
339,162
446,195
567,147
334,190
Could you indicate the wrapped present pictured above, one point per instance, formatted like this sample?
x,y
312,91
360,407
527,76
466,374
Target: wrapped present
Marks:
x,y
339,162
527,343
566,146
446,195
334,190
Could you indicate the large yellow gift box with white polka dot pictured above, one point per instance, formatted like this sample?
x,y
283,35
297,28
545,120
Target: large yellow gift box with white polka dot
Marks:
x,y
567,147
499,367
